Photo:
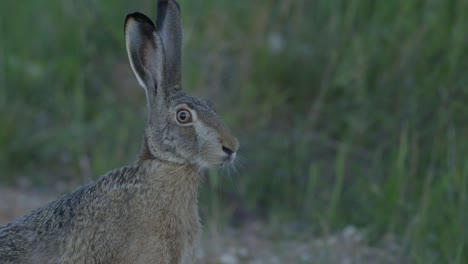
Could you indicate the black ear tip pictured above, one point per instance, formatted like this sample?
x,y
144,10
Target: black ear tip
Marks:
x,y
138,17
177,5
164,3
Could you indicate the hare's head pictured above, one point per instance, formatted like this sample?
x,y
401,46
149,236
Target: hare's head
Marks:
x,y
181,128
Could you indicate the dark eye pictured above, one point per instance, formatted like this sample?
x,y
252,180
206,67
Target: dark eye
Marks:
x,y
184,116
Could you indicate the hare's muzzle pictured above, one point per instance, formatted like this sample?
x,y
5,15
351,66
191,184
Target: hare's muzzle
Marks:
x,y
230,147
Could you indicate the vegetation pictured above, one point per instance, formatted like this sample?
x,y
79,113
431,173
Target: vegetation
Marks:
x,y
348,112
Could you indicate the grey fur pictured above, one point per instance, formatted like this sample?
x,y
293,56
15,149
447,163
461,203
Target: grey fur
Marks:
x,y
145,213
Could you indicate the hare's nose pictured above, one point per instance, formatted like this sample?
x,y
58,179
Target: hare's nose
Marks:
x,y
227,150
230,146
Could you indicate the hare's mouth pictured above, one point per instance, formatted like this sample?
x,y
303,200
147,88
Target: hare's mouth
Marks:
x,y
229,158
212,155
216,160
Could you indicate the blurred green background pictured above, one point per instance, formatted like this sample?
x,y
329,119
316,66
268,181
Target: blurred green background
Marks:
x,y
348,112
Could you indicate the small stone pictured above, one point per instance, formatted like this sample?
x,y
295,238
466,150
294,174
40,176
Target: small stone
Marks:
x,y
346,261
306,257
228,258
243,252
351,233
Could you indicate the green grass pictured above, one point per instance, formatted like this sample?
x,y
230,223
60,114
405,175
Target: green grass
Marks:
x,y
348,112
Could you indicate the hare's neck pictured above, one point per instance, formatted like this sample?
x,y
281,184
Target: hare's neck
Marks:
x,y
173,186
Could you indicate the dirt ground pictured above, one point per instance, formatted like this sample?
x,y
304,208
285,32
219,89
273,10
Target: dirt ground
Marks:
x,y
254,243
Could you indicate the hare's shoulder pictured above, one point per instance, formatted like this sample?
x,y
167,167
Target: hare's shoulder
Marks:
x,y
130,176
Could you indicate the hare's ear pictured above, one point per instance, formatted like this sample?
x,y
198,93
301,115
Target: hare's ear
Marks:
x,y
145,52
169,27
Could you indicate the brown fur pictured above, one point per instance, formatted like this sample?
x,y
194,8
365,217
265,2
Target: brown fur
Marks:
x,y
146,213
141,214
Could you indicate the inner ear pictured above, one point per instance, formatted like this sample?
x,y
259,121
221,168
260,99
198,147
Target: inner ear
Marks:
x,y
145,52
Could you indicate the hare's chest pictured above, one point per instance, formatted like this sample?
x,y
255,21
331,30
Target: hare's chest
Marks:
x,y
184,238
168,239
189,246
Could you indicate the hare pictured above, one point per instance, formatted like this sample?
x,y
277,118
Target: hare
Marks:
x,y
147,212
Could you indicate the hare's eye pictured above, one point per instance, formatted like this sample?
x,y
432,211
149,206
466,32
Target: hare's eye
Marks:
x,y
183,116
